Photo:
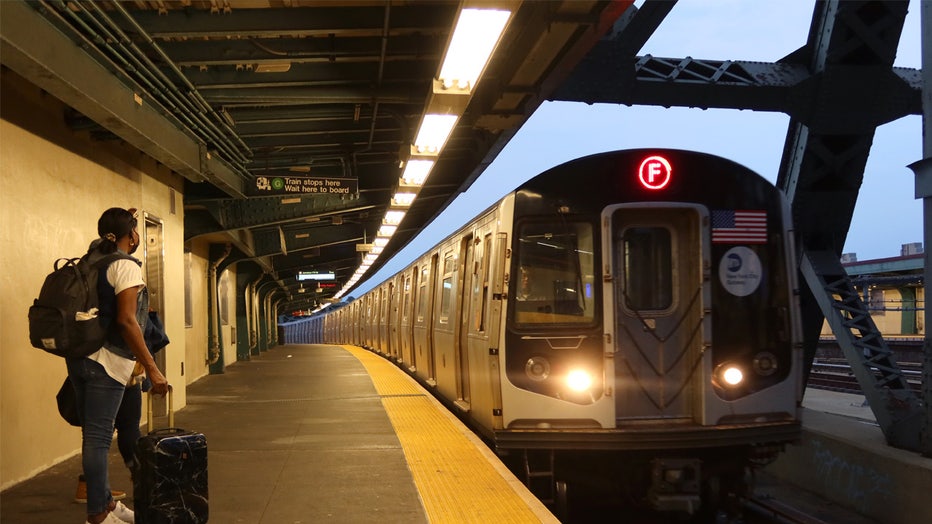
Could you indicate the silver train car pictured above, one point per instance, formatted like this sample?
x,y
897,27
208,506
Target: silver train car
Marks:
x,y
627,321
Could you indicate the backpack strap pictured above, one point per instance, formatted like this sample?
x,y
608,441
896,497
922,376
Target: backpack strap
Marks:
x,y
108,259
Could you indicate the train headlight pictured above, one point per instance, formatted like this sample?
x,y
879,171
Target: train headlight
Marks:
x,y
728,375
732,376
765,363
579,380
537,368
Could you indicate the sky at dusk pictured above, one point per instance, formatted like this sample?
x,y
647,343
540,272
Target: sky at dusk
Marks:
x,y
886,216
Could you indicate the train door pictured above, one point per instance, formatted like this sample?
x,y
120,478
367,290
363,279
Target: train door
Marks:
x,y
464,310
394,318
406,336
424,320
655,293
385,321
446,322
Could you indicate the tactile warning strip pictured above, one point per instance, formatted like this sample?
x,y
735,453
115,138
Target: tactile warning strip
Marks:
x,y
457,476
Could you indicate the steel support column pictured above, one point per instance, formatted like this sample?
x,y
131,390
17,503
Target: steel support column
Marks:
x,y
923,170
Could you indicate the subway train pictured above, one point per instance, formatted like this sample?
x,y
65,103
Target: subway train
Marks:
x,y
627,322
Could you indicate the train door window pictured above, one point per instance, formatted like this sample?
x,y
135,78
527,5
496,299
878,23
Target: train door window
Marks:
x,y
405,298
422,293
446,291
482,282
556,276
648,268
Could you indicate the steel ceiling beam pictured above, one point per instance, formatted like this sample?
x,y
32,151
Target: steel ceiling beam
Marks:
x,y
39,52
330,49
221,215
435,17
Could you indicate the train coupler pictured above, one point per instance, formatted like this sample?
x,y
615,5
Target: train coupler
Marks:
x,y
676,485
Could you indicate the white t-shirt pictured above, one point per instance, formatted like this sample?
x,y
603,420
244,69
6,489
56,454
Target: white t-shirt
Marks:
x,y
122,274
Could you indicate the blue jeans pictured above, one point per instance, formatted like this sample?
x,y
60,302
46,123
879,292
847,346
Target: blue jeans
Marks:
x,y
127,426
98,398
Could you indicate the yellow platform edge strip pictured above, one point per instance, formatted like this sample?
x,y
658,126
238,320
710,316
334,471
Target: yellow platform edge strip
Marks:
x,y
458,478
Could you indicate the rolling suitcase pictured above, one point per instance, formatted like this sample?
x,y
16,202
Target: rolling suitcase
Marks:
x,y
170,485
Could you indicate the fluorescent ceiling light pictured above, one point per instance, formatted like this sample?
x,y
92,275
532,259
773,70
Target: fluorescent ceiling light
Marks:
x,y
434,132
416,172
474,38
402,198
394,217
379,242
387,231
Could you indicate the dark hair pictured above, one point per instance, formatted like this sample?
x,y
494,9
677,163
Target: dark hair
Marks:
x,y
116,223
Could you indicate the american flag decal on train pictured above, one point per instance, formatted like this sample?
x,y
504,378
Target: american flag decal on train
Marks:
x,y
739,226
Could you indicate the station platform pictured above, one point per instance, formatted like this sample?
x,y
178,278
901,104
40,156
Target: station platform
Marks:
x,y
843,458
312,434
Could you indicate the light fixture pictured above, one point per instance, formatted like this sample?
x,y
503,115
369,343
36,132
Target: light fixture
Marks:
x,y
475,36
393,216
433,133
416,172
403,198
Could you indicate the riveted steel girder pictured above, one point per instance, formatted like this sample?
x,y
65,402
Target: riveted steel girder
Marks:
x,y
359,21
823,166
276,240
882,93
220,215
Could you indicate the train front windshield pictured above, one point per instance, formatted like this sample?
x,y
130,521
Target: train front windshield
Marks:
x,y
555,278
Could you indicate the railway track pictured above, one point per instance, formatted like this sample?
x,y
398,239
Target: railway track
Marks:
x,y
836,375
767,509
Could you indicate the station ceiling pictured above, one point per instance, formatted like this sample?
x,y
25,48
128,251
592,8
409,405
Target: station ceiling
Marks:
x,y
233,94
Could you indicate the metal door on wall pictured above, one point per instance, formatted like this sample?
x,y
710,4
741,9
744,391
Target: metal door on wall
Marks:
x,y
154,274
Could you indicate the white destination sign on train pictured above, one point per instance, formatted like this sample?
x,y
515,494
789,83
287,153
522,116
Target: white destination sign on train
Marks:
x,y
302,185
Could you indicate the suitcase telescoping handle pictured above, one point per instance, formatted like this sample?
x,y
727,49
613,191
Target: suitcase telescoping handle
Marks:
x,y
171,410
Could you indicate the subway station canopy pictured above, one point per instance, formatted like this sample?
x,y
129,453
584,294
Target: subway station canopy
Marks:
x,y
318,137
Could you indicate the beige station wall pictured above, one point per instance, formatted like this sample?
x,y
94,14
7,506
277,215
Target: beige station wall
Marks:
x,y
890,322
197,337
54,184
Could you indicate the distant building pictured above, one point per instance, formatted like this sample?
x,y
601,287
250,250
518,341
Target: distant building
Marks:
x,y
914,248
893,290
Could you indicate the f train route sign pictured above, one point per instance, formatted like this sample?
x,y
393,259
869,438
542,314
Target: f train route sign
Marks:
x,y
655,172
301,185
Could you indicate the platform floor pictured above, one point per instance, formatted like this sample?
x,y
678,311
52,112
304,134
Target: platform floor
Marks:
x,y
311,434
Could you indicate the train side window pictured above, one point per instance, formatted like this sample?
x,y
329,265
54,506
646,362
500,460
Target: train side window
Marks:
x,y
648,267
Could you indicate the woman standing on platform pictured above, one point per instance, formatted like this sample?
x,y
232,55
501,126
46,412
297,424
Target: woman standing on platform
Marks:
x,y
100,379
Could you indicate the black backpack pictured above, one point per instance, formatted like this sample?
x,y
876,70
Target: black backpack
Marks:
x,y
61,320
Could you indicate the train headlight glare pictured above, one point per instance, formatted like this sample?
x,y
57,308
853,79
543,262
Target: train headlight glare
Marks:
x,y
732,376
537,368
579,380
